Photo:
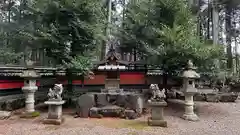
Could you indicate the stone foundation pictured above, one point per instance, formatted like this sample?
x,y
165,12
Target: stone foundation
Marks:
x,y
99,105
13,102
209,97
53,121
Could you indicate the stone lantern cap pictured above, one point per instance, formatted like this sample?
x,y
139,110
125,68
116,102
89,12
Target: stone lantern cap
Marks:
x,y
190,71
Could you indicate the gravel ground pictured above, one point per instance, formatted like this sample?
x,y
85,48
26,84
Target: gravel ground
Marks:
x,y
215,119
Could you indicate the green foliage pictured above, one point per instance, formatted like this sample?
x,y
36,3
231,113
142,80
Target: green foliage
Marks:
x,y
165,31
80,63
8,56
66,30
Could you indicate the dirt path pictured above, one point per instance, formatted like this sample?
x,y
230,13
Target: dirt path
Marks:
x,y
216,119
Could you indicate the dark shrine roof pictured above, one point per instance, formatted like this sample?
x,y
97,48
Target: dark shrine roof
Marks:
x,y
116,56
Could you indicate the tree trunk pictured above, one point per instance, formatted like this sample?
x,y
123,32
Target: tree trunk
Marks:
x,y
229,36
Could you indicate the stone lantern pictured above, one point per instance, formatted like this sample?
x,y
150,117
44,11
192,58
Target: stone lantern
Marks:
x,y
30,76
189,76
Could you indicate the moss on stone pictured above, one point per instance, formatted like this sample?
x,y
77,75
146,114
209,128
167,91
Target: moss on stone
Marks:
x,y
30,115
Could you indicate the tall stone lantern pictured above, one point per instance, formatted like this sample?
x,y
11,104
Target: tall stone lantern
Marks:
x,y
189,76
30,76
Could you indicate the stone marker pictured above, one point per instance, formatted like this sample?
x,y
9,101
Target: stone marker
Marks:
x,y
101,99
55,103
84,103
136,102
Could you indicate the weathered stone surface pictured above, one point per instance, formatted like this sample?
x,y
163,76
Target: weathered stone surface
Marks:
x,y
212,97
13,104
136,103
121,100
179,95
4,115
94,113
156,118
130,114
53,121
171,94
111,111
228,97
54,112
199,97
84,103
160,123
83,112
101,100
190,117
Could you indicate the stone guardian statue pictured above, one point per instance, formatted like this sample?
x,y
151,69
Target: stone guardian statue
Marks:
x,y
56,92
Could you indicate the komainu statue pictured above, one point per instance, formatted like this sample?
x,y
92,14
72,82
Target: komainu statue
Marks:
x,y
56,92
157,95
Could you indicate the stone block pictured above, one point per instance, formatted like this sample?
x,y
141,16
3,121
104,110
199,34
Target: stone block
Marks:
x,y
101,99
83,112
171,94
136,103
199,97
130,114
86,100
94,113
53,121
212,97
121,100
54,112
160,123
83,104
156,118
228,97
111,111
4,115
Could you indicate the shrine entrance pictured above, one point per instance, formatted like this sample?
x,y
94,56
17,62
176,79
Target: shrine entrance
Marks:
x,y
111,66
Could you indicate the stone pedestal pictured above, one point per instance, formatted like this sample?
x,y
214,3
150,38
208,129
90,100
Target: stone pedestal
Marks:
x,y
189,108
156,118
54,112
29,89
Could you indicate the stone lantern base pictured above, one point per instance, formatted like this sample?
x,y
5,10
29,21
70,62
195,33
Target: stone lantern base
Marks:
x,y
54,112
156,118
190,117
189,108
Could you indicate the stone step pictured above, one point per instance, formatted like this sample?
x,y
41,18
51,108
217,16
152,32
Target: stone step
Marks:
x,y
4,115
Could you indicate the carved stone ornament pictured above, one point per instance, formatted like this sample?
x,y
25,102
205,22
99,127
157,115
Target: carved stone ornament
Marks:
x,y
157,95
56,92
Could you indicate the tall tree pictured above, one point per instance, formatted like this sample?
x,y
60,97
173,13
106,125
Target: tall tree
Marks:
x,y
65,29
165,31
